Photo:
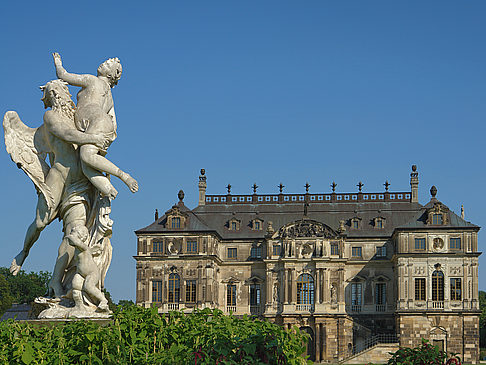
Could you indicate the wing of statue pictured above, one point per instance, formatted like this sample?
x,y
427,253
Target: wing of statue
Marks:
x,y
28,148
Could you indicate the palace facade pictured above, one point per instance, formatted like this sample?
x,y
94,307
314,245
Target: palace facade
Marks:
x,y
355,270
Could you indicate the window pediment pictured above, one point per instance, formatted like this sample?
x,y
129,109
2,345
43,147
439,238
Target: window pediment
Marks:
x,y
176,219
233,224
305,228
256,224
438,215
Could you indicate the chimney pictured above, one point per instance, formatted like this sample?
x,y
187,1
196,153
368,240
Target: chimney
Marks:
x,y
414,181
202,187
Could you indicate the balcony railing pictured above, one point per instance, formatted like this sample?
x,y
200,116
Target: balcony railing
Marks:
x,y
256,310
231,308
356,308
304,307
173,306
438,305
380,307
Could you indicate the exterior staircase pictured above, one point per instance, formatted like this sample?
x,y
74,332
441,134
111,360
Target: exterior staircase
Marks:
x,y
374,349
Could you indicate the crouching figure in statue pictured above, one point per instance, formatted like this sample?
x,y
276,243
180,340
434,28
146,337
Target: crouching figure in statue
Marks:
x,y
67,189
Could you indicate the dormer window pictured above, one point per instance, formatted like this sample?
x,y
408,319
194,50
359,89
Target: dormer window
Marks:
x,y
438,215
257,224
437,219
356,223
379,222
175,218
234,224
176,222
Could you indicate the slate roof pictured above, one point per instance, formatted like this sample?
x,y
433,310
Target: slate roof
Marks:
x,y
420,219
215,218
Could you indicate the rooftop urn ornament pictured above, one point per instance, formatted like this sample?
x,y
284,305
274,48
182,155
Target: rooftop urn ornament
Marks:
x,y
387,184
433,191
280,187
360,186
307,186
180,195
228,187
333,186
254,187
202,177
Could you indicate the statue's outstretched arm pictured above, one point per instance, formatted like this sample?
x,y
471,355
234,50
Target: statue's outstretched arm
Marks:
x,y
72,135
71,79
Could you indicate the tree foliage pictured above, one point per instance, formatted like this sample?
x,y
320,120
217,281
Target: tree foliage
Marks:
x,y
424,354
141,336
22,288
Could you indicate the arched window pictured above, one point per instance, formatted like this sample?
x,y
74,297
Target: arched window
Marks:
x,y
305,289
438,286
174,288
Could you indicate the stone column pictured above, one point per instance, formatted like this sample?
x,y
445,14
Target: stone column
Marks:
x,y
269,288
289,286
318,342
285,287
293,285
318,285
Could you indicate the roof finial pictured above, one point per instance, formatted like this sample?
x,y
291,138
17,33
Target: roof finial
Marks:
x,y
180,195
254,187
433,191
281,186
307,186
414,182
387,184
156,214
333,186
360,186
462,211
229,188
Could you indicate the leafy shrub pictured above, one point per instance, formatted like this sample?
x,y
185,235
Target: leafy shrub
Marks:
x,y
424,354
141,336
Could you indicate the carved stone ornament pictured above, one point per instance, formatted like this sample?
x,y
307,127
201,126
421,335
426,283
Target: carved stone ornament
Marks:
x,y
72,185
306,228
438,208
438,244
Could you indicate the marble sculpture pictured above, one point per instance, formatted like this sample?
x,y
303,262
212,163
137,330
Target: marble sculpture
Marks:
x,y
66,160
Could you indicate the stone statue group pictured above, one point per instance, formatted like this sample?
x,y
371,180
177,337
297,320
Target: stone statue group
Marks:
x,y
73,185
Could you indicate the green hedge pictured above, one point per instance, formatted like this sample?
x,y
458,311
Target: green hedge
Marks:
x,y
141,336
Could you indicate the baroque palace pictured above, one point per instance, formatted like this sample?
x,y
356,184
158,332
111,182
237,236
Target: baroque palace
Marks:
x,y
354,270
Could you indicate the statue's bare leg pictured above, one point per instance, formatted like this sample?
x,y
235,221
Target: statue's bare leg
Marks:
x,y
90,157
100,181
90,287
43,218
75,216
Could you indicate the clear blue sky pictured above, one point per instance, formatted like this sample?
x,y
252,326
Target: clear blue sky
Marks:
x,y
257,91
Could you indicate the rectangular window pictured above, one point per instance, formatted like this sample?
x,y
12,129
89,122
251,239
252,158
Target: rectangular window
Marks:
x,y
231,295
420,243
455,243
158,246
234,226
437,219
379,223
256,225
456,289
334,249
420,289
276,250
356,224
356,294
191,291
381,251
156,291
380,293
255,294
232,253
256,252
192,246
176,222
356,251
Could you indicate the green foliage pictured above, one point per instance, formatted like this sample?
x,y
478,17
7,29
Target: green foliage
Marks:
x,y
482,318
125,302
25,287
111,305
425,354
142,336
6,299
